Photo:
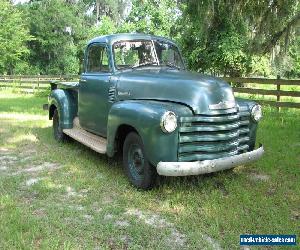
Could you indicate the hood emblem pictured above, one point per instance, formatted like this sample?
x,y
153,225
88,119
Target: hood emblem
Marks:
x,y
222,105
123,93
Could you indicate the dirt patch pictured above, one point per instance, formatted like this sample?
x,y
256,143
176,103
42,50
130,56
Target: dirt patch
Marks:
x,y
108,198
259,177
33,181
26,151
153,220
39,213
108,217
88,217
72,193
245,248
42,167
97,207
28,197
78,208
4,150
126,239
176,239
8,160
46,166
212,242
295,215
122,223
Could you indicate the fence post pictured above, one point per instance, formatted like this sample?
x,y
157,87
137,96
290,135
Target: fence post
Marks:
x,y
38,83
278,89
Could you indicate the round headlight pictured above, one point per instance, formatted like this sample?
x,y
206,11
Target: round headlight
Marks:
x,y
256,112
168,122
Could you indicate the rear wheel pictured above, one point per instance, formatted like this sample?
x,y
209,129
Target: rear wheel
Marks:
x,y
57,129
138,169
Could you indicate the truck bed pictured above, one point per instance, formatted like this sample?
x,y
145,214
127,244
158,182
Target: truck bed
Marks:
x,y
64,85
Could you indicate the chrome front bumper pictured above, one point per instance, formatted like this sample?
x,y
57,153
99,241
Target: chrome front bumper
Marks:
x,y
208,166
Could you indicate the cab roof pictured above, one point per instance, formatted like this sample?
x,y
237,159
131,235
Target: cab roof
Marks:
x,y
110,39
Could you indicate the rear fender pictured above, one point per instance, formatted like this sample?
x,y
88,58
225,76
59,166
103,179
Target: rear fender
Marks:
x,y
66,104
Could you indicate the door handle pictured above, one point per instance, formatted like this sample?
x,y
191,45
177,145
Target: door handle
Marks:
x,y
82,80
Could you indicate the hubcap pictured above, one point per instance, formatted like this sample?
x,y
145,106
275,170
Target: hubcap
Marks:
x,y
136,160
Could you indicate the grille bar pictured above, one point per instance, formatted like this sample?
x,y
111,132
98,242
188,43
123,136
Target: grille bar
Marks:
x,y
223,118
201,157
210,128
208,147
212,136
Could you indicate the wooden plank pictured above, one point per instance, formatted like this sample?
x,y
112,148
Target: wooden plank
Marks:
x,y
38,76
25,82
22,87
280,104
267,92
278,90
261,81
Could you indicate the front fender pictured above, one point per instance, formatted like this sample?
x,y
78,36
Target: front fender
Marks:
x,y
66,104
145,117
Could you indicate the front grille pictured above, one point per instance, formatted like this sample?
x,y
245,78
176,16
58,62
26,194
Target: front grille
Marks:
x,y
207,137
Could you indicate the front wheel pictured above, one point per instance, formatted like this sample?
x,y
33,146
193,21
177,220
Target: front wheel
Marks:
x,y
138,169
57,129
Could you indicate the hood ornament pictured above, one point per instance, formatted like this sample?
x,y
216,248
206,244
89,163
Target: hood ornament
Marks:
x,y
222,105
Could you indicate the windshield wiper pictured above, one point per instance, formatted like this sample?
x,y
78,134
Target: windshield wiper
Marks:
x,y
144,64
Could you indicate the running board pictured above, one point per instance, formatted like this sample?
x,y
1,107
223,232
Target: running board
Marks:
x,y
95,142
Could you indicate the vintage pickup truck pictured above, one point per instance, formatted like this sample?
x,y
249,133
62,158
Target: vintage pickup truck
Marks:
x,y
136,97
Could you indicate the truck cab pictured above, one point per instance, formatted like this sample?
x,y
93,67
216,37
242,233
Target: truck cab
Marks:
x,y
136,97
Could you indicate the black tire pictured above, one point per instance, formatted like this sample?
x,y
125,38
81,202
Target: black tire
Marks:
x,y
57,129
138,169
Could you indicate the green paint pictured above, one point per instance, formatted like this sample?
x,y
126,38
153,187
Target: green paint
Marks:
x,y
138,98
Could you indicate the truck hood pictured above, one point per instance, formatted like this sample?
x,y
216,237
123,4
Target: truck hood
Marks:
x,y
200,92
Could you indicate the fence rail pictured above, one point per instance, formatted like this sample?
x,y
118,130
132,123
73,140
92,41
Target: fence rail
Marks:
x,y
37,82
278,92
31,83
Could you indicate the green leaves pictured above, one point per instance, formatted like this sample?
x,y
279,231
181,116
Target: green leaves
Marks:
x,y
222,37
219,37
58,27
13,37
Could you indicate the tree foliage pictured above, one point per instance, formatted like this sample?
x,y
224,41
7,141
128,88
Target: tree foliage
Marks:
x,y
58,26
13,37
232,37
153,16
223,36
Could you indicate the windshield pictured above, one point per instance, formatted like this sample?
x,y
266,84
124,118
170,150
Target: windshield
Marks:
x,y
139,53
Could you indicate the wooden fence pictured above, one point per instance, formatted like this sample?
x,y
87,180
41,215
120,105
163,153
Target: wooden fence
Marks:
x,y
268,92
32,83
28,82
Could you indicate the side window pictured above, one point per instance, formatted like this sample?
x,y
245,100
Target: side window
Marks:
x,y
97,60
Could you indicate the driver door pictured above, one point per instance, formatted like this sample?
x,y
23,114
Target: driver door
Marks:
x,y
93,104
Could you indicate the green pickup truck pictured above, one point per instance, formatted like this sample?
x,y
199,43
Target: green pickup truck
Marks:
x,y
136,97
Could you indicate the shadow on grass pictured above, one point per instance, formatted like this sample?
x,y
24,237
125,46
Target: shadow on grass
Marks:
x,y
277,132
77,152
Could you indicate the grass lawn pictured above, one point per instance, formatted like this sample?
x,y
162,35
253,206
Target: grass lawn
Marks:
x,y
65,196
